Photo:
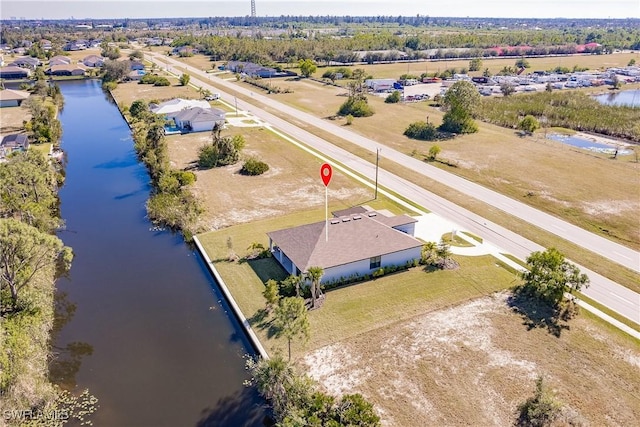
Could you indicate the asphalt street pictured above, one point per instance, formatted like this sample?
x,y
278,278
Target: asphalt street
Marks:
x,y
603,290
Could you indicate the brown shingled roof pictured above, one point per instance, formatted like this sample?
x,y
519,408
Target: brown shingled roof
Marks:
x,y
351,239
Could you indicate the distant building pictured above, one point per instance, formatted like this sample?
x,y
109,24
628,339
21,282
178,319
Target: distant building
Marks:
x,y
93,61
66,70
12,98
358,244
177,104
13,72
13,142
198,119
26,62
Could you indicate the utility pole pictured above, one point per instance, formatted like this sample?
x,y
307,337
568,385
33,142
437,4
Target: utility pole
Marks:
x,y
378,150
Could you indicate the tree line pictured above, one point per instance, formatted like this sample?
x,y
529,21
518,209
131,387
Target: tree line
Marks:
x,y
32,257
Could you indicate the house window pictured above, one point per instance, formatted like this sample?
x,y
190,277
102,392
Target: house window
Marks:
x,y
374,262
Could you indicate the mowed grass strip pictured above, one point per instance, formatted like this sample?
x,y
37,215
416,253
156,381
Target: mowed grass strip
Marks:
x,y
353,309
601,265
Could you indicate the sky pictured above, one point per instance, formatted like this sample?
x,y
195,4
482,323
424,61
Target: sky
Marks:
x,y
98,9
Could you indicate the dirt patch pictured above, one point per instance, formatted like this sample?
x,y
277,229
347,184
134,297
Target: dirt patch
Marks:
x,y
611,207
474,363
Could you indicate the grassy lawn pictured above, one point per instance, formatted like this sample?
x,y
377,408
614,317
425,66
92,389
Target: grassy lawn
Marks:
x,y
11,119
353,309
128,92
602,202
202,62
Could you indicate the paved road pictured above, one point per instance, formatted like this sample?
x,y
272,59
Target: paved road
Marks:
x,y
603,290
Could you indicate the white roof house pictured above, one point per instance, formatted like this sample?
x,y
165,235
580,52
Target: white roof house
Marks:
x,y
198,119
176,105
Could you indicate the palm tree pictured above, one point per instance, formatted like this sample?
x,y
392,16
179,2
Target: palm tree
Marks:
x,y
314,274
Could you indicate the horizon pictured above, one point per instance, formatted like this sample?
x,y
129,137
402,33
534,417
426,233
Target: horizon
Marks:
x,y
150,9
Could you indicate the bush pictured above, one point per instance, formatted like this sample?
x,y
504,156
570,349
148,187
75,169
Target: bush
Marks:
x,y
423,131
349,119
393,98
162,81
357,106
253,166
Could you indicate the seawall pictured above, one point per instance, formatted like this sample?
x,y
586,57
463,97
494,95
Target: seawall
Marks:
x,y
232,302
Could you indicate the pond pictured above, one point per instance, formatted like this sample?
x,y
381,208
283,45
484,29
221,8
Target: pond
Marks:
x,y
143,325
588,144
629,98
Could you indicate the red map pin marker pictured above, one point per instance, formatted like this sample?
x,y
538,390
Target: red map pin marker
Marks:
x,y
325,174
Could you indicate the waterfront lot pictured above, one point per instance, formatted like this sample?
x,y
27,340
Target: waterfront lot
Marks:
x,y
128,92
11,119
440,346
291,184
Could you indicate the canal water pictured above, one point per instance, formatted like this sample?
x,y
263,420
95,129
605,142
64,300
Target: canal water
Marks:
x,y
143,326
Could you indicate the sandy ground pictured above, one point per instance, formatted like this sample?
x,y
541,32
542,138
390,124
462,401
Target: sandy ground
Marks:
x,y
474,363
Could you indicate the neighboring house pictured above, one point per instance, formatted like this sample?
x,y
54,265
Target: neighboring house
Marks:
x,y
59,59
13,72
14,142
198,119
136,65
26,62
20,51
45,44
12,98
93,61
66,70
251,69
76,45
358,243
135,75
173,106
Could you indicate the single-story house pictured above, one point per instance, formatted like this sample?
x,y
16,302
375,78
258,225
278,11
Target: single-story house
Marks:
x,y
136,65
358,243
12,98
26,62
93,61
135,75
14,142
76,45
13,72
175,105
198,119
59,59
66,70
255,70
45,44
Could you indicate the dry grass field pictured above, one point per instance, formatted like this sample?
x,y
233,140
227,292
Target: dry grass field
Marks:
x,y
11,119
291,184
543,173
128,92
473,363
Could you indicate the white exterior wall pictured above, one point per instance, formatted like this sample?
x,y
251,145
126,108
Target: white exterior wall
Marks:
x,y
401,258
202,126
346,270
410,229
362,267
